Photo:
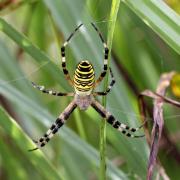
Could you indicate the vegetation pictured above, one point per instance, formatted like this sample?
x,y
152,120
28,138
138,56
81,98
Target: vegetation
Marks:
x,y
144,40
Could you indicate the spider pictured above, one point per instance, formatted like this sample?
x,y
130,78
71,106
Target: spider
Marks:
x,y
84,84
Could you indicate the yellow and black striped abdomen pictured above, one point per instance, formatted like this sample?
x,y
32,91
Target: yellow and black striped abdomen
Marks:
x,y
84,77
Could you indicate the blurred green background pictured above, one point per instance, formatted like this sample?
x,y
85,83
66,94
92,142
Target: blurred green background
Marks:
x,y
145,45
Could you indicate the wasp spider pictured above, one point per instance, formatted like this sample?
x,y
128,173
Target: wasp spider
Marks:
x,y
84,83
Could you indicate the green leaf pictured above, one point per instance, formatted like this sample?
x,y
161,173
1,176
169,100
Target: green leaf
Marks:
x,y
31,108
12,130
111,26
32,50
86,45
140,57
132,150
161,18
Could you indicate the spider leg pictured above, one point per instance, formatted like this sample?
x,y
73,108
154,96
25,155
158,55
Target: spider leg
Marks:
x,y
65,71
106,53
55,126
51,92
109,87
123,128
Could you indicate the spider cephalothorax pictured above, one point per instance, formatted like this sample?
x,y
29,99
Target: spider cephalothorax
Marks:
x,y
84,83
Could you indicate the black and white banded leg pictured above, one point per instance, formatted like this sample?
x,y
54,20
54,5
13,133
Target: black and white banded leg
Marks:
x,y
66,73
123,128
106,54
109,87
51,92
55,126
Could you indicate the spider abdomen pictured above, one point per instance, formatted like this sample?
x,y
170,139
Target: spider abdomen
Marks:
x,y
84,77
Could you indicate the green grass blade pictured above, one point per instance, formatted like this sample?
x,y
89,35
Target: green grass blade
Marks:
x,y
119,97
31,108
111,26
158,16
32,50
128,149
18,136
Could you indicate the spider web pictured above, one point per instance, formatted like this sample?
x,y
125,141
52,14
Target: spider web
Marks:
x,y
24,77
104,21
101,21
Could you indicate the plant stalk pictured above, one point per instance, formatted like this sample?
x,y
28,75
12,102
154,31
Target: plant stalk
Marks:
x,y
111,26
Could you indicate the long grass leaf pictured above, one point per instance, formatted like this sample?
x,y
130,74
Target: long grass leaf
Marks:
x,y
158,16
